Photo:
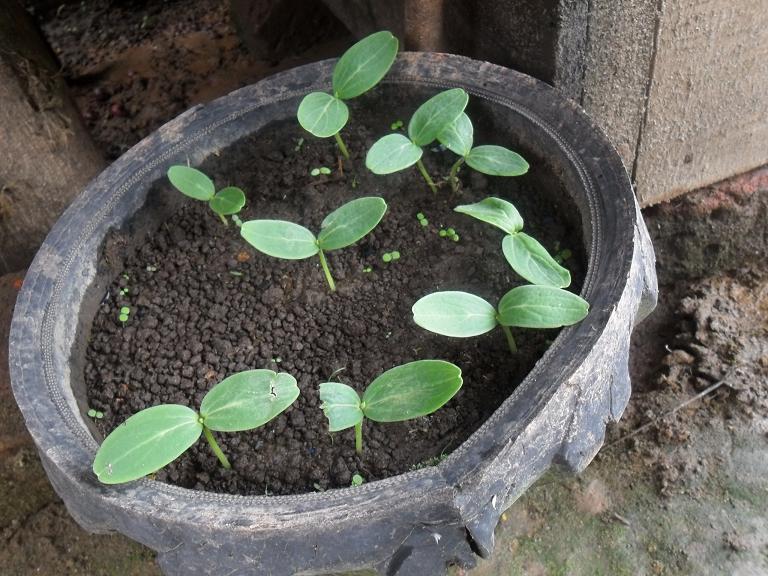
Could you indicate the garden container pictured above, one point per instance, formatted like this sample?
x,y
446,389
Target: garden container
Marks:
x,y
413,523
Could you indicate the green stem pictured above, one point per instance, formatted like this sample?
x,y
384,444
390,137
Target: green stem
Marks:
x,y
342,146
425,174
359,437
453,177
224,219
215,447
327,271
510,339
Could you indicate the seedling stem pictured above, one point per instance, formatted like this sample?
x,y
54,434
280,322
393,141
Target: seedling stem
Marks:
x,y
359,438
215,447
342,146
425,174
510,339
224,219
327,271
453,177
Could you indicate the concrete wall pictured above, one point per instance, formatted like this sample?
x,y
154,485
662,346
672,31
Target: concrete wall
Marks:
x,y
679,86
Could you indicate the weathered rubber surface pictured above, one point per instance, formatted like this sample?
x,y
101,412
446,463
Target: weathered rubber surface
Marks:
x,y
409,524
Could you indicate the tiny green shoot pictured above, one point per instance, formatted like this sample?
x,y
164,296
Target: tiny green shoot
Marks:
x,y
342,227
523,252
97,414
368,269
358,70
401,393
125,312
462,315
396,125
422,219
195,184
322,170
390,256
299,144
156,436
357,480
396,152
491,160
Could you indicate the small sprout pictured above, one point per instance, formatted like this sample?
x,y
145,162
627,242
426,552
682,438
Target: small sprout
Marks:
x,y
236,220
299,144
154,437
401,393
358,70
235,273
524,253
318,487
322,170
342,227
491,160
396,125
461,315
277,359
357,480
422,219
126,277
354,182
123,291
367,269
124,313
97,414
195,184
396,152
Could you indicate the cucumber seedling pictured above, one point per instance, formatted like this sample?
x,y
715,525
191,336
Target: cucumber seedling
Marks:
x,y
462,315
396,152
156,436
523,252
358,70
401,393
195,184
341,228
488,159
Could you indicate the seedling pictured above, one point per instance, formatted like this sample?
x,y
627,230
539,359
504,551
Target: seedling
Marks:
x,y
299,144
396,125
422,219
154,437
123,291
322,170
125,312
401,393
449,233
195,184
396,152
357,480
461,315
390,256
523,252
491,160
342,227
97,414
358,70
368,269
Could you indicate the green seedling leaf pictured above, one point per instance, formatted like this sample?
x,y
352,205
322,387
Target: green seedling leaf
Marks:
x,y
496,161
248,400
411,390
457,314
280,239
496,211
457,137
341,405
322,115
541,307
350,222
146,442
357,480
191,182
392,153
435,115
532,261
227,201
362,66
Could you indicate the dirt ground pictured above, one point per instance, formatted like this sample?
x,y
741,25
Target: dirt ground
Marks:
x,y
681,486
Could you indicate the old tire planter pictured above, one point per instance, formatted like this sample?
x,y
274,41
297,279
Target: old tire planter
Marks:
x,y
414,523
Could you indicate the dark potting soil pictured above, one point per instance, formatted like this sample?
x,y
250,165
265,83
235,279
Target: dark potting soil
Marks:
x,y
205,305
